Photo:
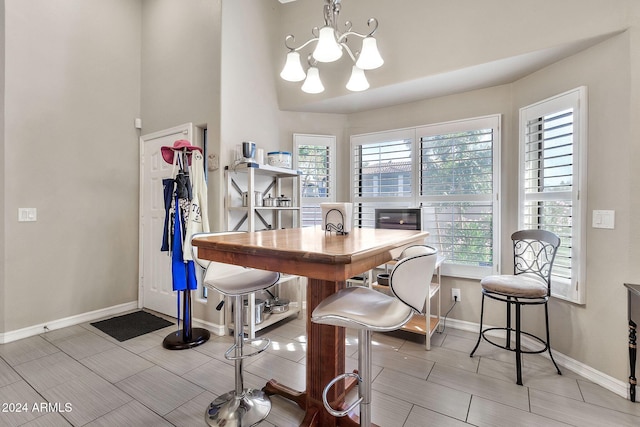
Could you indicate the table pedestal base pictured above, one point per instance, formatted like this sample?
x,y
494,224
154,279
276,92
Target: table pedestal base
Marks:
x,y
274,387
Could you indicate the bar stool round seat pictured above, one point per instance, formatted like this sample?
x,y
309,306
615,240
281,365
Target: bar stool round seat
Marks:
x,y
242,406
515,286
362,308
368,311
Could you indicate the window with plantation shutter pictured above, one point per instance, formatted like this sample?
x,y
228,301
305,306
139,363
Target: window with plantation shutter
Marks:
x,y
314,156
382,173
459,171
451,171
552,167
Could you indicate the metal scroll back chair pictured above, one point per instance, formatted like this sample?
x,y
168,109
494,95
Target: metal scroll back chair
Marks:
x,y
371,311
534,252
241,406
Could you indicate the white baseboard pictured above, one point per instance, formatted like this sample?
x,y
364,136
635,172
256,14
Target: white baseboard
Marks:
x,y
612,384
115,310
214,328
67,321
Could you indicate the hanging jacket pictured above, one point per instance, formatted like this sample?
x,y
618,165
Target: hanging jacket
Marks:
x,y
198,217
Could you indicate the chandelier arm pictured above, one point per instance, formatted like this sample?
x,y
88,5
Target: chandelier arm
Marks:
x,y
375,28
296,49
348,49
344,35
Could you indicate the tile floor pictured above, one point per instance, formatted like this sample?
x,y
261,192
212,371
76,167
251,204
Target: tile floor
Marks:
x,y
90,379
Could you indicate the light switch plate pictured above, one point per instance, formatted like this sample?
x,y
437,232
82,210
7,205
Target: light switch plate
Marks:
x,y
27,214
603,219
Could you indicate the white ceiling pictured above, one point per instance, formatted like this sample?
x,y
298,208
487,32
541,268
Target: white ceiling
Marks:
x,y
486,75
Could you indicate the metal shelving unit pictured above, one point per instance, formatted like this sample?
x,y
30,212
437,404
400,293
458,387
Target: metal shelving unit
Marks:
x,y
251,177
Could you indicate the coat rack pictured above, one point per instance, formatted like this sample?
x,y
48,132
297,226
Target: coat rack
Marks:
x,y
187,337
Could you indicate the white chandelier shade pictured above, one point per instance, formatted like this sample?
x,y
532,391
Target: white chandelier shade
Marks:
x,y
369,58
327,49
330,45
358,81
293,71
312,83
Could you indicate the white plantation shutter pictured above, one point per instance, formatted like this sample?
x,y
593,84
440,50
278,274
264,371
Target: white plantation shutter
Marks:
x,y
382,173
459,170
552,164
451,171
314,156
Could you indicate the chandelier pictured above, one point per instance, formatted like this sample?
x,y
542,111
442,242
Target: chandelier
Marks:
x,y
330,45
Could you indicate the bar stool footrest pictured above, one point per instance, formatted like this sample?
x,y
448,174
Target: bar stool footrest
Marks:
x,y
507,346
328,407
229,356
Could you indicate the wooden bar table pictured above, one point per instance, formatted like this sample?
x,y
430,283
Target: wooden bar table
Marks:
x,y
327,260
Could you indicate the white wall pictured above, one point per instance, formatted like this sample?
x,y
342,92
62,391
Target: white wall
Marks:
x,y
180,64
249,103
71,92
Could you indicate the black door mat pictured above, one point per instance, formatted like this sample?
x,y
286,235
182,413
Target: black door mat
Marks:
x,y
131,325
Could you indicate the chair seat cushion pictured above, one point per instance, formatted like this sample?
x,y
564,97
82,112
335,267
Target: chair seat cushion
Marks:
x,y
235,280
362,308
520,285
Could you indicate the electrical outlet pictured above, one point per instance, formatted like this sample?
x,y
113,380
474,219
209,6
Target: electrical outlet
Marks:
x,y
455,294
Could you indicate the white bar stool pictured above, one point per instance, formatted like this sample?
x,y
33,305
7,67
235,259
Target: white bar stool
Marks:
x,y
239,407
370,311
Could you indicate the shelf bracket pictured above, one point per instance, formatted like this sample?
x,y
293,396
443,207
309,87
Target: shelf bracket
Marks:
x,y
264,222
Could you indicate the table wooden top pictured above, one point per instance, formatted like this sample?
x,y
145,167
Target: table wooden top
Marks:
x,y
309,251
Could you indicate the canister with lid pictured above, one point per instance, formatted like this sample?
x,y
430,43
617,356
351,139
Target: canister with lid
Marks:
x,y
269,201
284,201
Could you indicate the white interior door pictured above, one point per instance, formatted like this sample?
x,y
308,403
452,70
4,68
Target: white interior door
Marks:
x,y
155,286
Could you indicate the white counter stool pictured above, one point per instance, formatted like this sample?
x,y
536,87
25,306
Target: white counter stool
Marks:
x,y
371,311
239,407
534,252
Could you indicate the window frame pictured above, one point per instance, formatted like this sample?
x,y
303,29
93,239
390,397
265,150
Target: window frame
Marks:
x,y
414,135
494,122
381,137
329,141
575,99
